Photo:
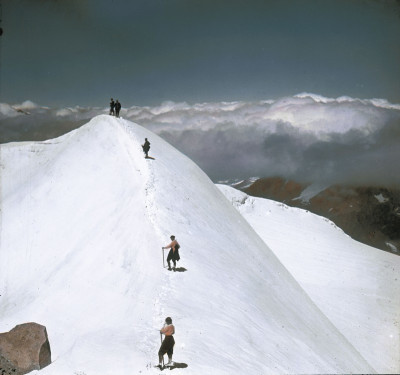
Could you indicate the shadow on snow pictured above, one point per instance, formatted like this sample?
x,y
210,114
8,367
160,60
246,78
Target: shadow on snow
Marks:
x,y
176,365
179,269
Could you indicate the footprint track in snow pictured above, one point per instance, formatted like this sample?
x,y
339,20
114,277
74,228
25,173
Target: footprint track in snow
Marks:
x,y
166,289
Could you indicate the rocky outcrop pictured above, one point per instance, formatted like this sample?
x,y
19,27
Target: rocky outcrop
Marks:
x,y
23,349
276,188
368,214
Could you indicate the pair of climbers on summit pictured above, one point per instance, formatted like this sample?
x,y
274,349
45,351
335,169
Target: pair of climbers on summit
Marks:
x,y
115,107
173,253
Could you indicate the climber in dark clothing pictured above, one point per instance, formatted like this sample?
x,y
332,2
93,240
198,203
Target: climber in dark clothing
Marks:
x,y
173,253
146,147
117,108
112,106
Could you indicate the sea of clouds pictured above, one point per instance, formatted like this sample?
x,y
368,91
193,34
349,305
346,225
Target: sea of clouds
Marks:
x,y
306,137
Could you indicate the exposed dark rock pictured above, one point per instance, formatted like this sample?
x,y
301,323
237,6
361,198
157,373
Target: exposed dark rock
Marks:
x,y
7,367
368,214
276,187
25,348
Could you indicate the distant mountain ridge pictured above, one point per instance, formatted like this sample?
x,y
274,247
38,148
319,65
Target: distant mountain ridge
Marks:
x,y
370,215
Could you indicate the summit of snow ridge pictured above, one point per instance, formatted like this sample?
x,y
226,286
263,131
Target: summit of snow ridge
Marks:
x,y
83,223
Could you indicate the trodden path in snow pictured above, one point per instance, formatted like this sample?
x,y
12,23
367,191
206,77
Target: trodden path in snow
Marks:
x,y
165,288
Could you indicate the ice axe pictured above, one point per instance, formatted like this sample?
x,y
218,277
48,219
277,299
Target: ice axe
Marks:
x,y
161,344
163,261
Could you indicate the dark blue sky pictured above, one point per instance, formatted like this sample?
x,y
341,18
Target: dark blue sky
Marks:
x,y
82,52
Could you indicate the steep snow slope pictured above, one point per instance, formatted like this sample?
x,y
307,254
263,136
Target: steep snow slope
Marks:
x,y
84,217
356,286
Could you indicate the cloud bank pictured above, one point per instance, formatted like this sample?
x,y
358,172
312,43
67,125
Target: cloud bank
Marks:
x,y
305,137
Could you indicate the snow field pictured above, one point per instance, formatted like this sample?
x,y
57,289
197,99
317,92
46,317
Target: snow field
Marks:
x,y
356,286
84,217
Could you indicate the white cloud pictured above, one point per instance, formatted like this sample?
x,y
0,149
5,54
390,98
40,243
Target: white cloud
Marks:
x,y
7,110
307,137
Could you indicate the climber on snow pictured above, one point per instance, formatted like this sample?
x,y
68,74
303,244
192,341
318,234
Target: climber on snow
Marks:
x,y
146,147
167,345
173,253
112,107
117,108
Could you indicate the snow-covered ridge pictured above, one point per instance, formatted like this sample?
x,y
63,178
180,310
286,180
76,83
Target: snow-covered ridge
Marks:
x,y
84,217
355,285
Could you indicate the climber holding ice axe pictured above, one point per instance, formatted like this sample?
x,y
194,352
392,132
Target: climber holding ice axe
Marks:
x,y
167,345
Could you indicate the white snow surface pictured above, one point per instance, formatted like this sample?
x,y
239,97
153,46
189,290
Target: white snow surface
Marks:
x,y
84,217
356,286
